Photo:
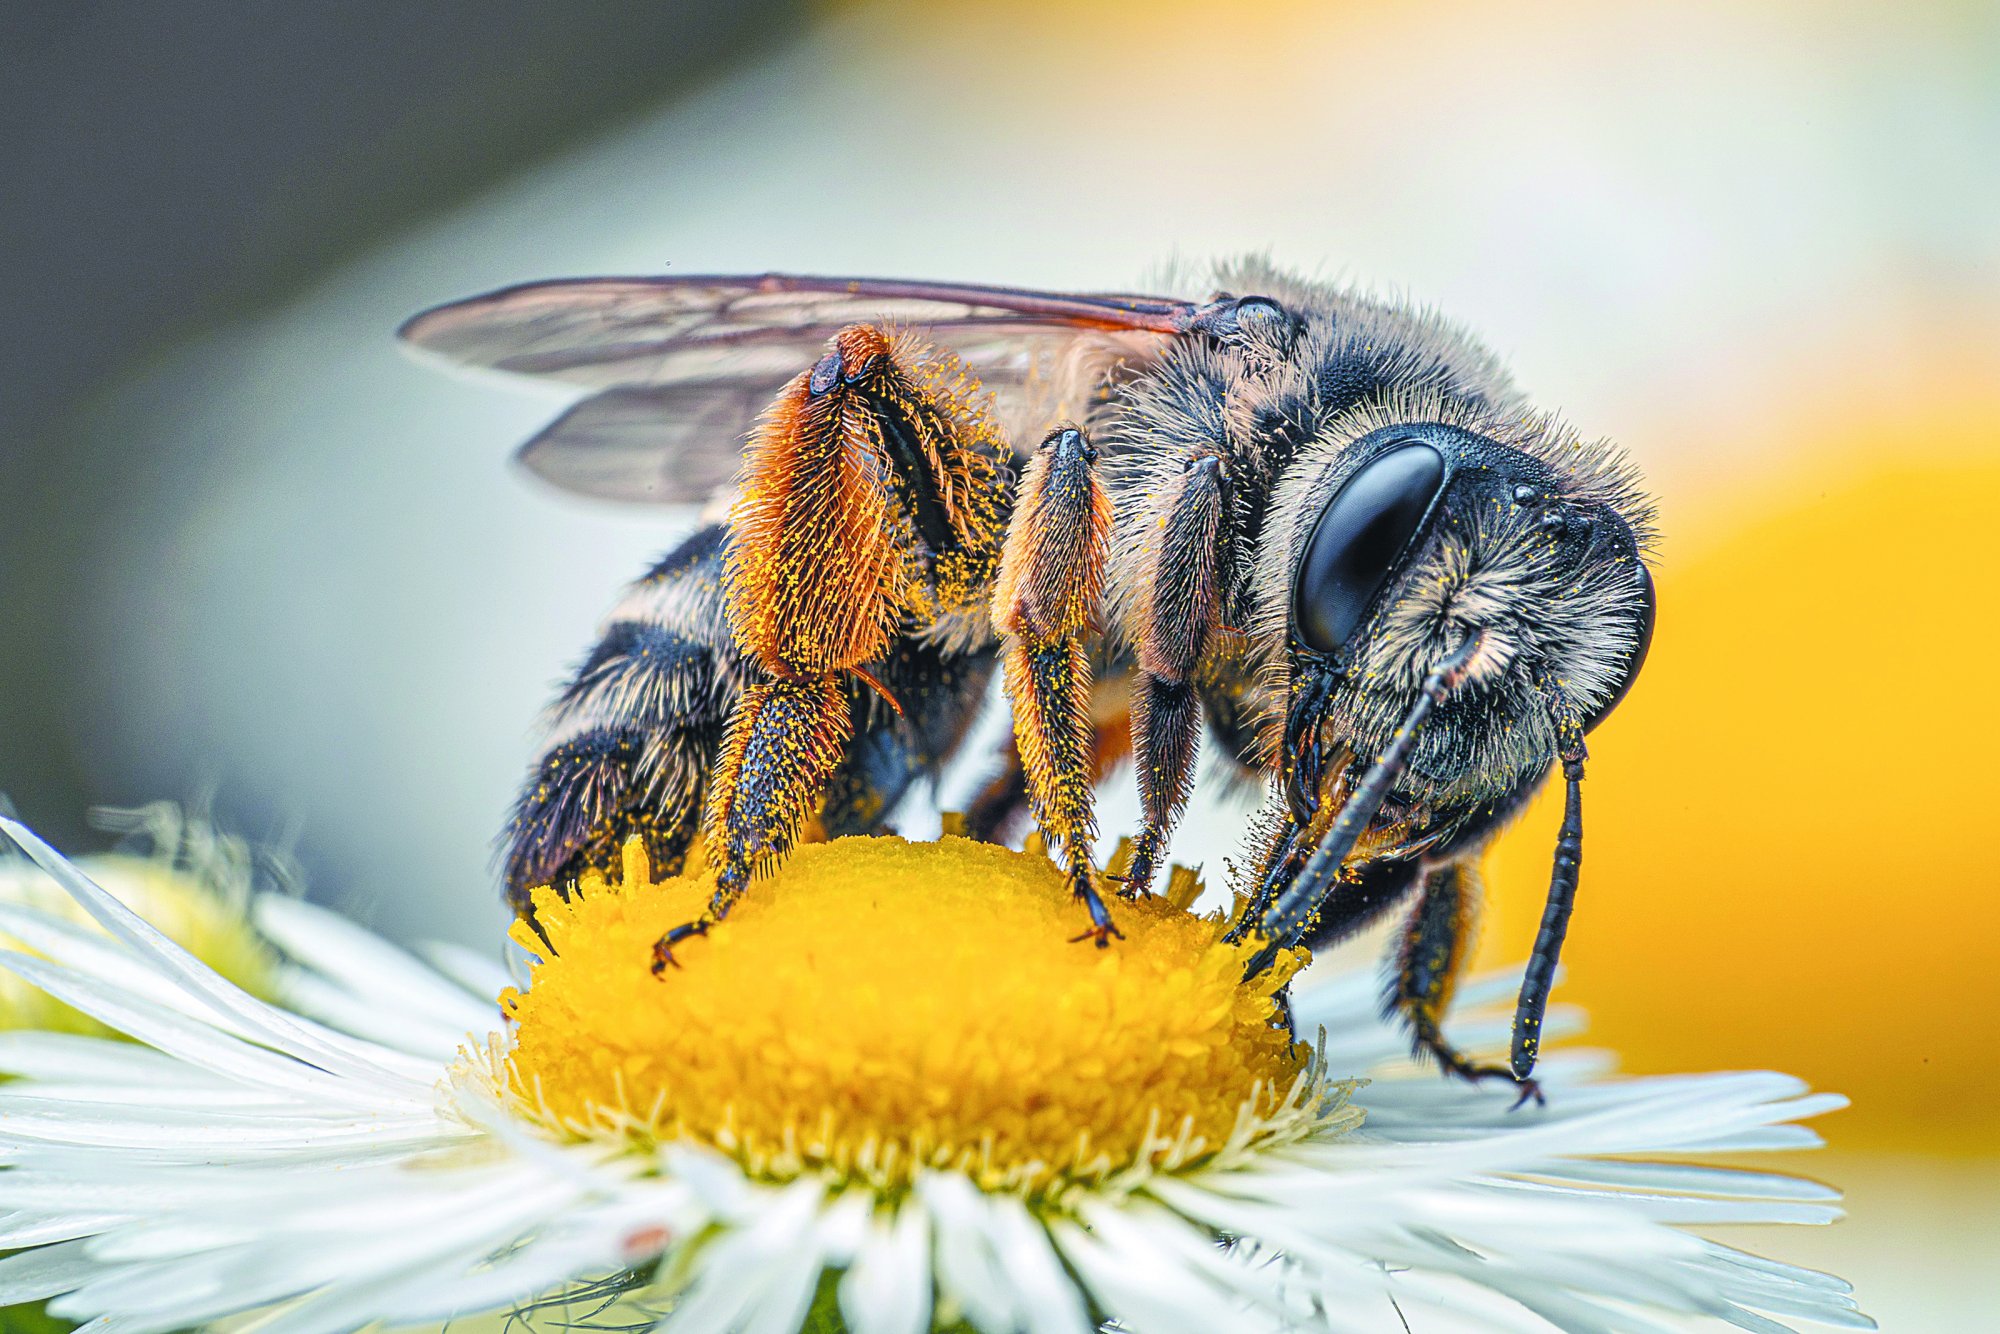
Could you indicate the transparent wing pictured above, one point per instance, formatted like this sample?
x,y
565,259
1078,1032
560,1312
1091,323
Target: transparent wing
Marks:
x,y
661,444
685,363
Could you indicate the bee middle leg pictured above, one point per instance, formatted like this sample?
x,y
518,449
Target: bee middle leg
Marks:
x,y
1178,610
1003,802
1046,603
1435,943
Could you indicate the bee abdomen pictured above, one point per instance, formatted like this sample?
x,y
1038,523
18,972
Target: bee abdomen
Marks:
x,y
645,674
586,797
633,733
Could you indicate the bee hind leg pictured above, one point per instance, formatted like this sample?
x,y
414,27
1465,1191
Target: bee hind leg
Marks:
x,y
1435,943
868,483
784,739
1046,603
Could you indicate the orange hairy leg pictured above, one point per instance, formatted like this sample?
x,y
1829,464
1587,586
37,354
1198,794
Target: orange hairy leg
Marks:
x,y
869,505
999,805
1046,603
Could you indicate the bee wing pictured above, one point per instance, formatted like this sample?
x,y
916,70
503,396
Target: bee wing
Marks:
x,y
684,364
663,444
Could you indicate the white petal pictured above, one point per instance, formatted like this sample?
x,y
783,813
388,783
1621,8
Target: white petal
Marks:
x,y
154,951
1048,1299
363,962
44,1272
887,1289
969,1272
60,1056
1147,1294
20,1230
484,978
365,1016
171,1032
753,1268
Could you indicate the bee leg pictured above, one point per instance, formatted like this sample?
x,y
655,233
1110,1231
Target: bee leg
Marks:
x,y
632,734
1369,891
940,692
784,740
999,805
1166,734
1435,943
1540,976
1291,914
1179,604
868,498
1046,603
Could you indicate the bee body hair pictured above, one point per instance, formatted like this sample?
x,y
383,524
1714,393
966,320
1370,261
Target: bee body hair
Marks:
x,y
628,741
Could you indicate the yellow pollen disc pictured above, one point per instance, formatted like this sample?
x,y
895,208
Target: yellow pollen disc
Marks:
x,y
879,1005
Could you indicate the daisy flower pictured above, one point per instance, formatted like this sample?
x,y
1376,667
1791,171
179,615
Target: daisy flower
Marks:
x,y
886,1098
194,883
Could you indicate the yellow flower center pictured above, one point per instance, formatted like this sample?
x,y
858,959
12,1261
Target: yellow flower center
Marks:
x,y
878,1006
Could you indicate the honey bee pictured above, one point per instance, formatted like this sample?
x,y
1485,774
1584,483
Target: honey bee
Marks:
x,y
1325,528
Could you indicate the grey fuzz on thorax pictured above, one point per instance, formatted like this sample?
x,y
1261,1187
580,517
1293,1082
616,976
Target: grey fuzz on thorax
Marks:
x,y
1287,413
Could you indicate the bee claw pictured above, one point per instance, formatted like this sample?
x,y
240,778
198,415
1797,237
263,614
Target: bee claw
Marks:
x,y
663,948
1526,1089
1101,933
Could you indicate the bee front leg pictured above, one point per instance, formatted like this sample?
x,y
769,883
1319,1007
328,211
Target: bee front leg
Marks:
x,y
1046,603
1435,943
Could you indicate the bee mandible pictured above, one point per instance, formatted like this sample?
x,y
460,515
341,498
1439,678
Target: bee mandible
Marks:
x,y
1326,529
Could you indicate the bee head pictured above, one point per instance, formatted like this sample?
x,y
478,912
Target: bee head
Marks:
x,y
1416,538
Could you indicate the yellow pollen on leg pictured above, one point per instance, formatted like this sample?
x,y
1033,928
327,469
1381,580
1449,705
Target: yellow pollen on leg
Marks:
x,y
878,1006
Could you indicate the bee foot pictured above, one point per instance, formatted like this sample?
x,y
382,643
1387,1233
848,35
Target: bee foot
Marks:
x,y
1525,1089
1102,933
1138,877
663,948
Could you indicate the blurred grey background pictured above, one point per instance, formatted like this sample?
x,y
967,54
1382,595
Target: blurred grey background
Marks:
x,y
173,169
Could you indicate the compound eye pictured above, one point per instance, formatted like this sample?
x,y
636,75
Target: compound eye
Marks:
x,y
1233,320
1263,316
1359,540
1648,610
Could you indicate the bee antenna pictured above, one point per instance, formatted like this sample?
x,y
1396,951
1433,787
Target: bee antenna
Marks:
x,y
1285,921
1563,875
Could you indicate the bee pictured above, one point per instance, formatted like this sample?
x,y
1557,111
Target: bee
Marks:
x,y
1325,529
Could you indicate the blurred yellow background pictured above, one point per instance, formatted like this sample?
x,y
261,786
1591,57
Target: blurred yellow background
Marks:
x,y
1788,827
